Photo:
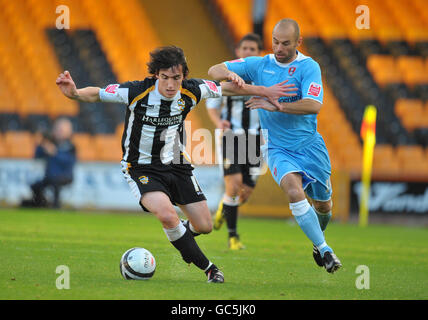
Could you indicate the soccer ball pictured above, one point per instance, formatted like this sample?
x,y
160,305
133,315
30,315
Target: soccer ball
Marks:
x,y
137,264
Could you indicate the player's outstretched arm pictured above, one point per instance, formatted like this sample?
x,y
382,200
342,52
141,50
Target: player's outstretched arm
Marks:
x,y
272,93
220,72
67,86
304,106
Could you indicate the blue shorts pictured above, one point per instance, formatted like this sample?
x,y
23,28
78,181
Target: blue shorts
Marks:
x,y
312,162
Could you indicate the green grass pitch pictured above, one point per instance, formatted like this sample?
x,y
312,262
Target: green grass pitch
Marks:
x,y
277,263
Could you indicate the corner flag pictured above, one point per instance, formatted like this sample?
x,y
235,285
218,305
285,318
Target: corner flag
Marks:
x,y
368,134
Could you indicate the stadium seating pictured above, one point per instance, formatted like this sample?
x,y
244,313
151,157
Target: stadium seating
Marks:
x,y
384,69
413,113
3,148
395,20
85,147
28,55
410,70
385,160
102,46
19,144
412,160
108,147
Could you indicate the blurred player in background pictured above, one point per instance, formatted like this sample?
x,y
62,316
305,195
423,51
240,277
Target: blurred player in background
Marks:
x,y
59,153
296,153
154,158
237,122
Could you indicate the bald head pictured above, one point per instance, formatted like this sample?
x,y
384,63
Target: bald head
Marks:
x,y
289,25
285,39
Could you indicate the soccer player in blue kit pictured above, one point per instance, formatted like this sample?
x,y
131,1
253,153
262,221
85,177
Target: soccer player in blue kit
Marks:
x,y
294,150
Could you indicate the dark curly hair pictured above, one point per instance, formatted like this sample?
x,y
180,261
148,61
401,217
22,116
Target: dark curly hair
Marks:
x,y
167,57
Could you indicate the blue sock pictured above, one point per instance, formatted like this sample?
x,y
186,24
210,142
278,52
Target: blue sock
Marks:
x,y
307,219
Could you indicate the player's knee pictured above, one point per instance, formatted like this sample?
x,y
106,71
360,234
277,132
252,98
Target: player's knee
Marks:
x,y
233,190
167,216
244,195
323,206
233,185
205,227
295,194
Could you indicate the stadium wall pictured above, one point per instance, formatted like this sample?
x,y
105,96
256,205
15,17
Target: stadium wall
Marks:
x,y
101,186
96,185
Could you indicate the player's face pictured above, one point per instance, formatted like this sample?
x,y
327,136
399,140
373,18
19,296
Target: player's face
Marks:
x,y
247,48
170,81
284,44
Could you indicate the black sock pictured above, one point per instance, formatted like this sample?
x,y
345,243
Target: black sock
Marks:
x,y
211,267
186,223
231,215
190,250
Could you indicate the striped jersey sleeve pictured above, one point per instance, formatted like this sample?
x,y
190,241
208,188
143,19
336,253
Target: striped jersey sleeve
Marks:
x,y
124,93
202,89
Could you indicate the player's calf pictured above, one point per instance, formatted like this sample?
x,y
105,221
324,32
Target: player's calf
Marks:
x,y
182,239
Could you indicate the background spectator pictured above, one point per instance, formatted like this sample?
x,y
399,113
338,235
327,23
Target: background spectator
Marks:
x,y
60,155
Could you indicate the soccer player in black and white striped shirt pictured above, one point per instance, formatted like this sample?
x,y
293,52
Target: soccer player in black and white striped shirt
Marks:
x,y
240,128
153,153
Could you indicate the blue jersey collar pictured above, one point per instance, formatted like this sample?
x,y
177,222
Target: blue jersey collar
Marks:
x,y
300,56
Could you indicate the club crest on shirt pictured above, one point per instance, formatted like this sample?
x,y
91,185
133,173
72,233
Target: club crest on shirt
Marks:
x,y
181,104
291,71
144,179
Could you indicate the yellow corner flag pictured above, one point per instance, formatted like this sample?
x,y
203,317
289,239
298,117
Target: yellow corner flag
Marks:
x,y
368,134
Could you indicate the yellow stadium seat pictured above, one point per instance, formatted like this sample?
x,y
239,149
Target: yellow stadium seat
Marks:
x,y
409,19
19,144
421,7
424,120
84,147
27,54
411,113
412,159
119,130
384,69
413,70
403,106
385,160
3,148
108,147
7,99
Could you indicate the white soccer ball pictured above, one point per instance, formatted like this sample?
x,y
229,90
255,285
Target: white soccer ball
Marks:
x,y
137,264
